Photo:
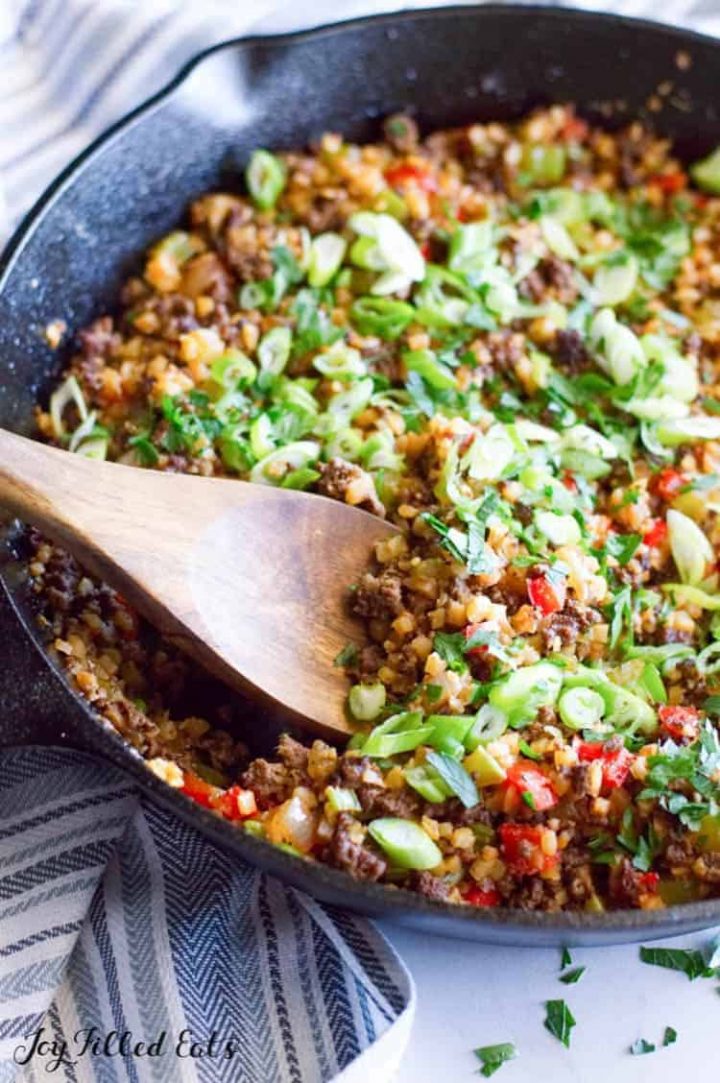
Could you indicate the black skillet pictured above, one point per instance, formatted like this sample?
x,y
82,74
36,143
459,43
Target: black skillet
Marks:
x,y
71,253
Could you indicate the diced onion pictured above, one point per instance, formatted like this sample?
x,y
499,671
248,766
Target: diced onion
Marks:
x,y
558,239
584,438
615,282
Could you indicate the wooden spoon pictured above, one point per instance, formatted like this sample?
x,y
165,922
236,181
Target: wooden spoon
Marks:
x,y
251,580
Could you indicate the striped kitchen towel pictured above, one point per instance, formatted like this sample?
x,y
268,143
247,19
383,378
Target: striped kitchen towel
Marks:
x,y
132,950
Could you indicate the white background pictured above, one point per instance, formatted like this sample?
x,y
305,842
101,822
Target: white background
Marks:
x,y
471,994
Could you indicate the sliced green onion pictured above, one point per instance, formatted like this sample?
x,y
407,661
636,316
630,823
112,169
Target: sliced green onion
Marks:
x,y
68,392
340,362
326,256
583,463
95,448
84,430
274,350
300,479
581,708
405,843
426,364
541,163
688,430
274,467
490,454
584,438
616,280
262,436
233,369
378,452
400,733
344,444
522,693
428,784
558,239
394,251
366,701
690,547
265,177
471,246
180,246
535,433
347,404
489,724
693,595
342,800
380,316
706,173
619,351
653,683
558,529
708,661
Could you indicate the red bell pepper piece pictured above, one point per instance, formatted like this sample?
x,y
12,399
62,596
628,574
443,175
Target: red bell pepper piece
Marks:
x,y
669,183
680,723
521,849
478,896
406,173
547,595
200,790
616,762
648,882
525,778
668,483
656,535
237,804
481,649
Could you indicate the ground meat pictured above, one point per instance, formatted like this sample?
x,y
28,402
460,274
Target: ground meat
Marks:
x,y
270,782
352,770
551,274
378,596
534,893
626,883
401,132
707,868
378,801
361,862
432,887
569,351
506,349
293,754
567,623
97,344
384,359
338,476
369,660
62,574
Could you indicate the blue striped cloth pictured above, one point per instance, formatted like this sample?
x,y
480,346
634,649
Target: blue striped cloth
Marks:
x,y
116,919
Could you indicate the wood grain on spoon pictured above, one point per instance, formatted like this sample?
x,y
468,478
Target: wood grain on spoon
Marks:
x,y
250,580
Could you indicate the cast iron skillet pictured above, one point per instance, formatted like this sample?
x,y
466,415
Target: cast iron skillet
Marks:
x,y
70,255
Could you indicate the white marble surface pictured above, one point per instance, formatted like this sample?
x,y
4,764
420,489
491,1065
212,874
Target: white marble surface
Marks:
x,y
470,995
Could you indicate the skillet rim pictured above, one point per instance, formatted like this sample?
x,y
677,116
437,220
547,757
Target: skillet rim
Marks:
x,y
370,898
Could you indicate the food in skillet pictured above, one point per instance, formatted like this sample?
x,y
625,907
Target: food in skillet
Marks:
x,y
507,339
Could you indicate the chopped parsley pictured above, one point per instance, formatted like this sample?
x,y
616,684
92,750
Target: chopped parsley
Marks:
x,y
565,959
493,1057
572,977
691,963
347,656
559,1020
641,1046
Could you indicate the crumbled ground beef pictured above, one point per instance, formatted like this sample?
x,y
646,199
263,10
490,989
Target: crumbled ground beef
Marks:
x,y
338,475
356,858
570,351
432,887
270,782
377,596
378,801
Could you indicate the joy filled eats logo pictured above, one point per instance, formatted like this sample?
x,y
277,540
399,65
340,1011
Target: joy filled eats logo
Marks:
x,y
41,1049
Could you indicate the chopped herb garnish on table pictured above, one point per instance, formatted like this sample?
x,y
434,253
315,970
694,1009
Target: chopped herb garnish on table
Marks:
x,y
565,959
571,977
492,1057
692,963
641,1046
670,1036
559,1021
